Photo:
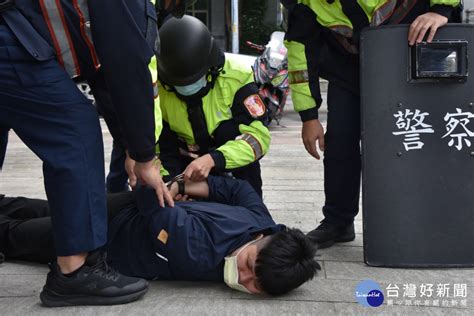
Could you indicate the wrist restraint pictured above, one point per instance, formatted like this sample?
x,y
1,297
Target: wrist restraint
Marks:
x,y
180,180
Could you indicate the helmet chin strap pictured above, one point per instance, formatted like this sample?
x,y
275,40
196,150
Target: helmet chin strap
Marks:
x,y
215,71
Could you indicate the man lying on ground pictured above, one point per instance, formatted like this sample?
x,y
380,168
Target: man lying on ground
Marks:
x,y
227,236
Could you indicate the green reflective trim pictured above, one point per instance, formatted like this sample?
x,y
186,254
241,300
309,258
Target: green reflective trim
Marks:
x,y
382,13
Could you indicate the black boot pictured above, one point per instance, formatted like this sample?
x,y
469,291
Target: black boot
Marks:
x,y
325,235
95,283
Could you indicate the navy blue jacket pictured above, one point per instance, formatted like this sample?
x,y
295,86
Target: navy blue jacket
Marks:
x,y
119,28
189,241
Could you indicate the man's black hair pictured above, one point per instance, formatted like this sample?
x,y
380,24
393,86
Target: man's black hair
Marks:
x,y
286,262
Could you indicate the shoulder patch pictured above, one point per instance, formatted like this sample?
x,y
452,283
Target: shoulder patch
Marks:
x,y
255,106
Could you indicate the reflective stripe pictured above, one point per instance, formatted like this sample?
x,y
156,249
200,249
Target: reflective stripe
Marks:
x,y
298,76
401,11
155,89
254,144
383,12
83,13
344,30
59,31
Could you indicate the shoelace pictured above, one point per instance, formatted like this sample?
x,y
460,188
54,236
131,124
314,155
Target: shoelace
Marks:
x,y
102,269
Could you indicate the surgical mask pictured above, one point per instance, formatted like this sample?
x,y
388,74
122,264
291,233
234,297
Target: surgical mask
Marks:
x,y
192,88
231,271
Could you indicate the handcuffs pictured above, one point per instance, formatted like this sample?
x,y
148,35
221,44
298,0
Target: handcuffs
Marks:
x,y
178,179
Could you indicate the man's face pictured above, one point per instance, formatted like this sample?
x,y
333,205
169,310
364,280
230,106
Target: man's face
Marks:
x,y
246,261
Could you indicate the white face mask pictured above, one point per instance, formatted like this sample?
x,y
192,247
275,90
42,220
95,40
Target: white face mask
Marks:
x,y
231,271
192,88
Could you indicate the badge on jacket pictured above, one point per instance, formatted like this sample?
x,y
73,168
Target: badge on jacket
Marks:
x,y
255,106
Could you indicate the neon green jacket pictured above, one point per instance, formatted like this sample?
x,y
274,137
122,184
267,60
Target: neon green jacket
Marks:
x,y
233,87
302,18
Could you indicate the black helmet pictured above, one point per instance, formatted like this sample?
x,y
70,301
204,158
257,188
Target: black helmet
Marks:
x,y
187,51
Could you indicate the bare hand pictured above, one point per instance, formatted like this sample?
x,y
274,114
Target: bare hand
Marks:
x,y
429,21
149,174
311,133
129,166
199,169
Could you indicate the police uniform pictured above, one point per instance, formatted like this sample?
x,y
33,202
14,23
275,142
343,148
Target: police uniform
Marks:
x,y
42,45
231,129
322,41
117,178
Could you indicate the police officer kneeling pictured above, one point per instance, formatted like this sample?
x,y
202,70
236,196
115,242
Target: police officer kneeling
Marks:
x,y
213,117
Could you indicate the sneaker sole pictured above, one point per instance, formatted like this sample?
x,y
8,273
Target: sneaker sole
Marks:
x,y
52,299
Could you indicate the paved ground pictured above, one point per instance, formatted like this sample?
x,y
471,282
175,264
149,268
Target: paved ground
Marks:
x,y
294,193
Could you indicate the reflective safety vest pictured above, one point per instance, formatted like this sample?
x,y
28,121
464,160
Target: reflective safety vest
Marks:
x,y
330,15
254,141
69,28
55,17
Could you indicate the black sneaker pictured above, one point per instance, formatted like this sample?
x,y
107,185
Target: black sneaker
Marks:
x,y
95,283
325,235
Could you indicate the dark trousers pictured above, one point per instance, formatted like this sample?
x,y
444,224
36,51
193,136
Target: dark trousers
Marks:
x,y
117,179
342,159
26,231
43,106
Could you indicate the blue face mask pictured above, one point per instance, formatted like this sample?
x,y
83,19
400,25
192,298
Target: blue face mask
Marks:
x,y
192,88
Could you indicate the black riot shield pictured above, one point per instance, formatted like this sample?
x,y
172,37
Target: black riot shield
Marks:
x,y
418,148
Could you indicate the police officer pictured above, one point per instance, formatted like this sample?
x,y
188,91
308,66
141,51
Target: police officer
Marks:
x,y
213,116
43,45
322,41
118,177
